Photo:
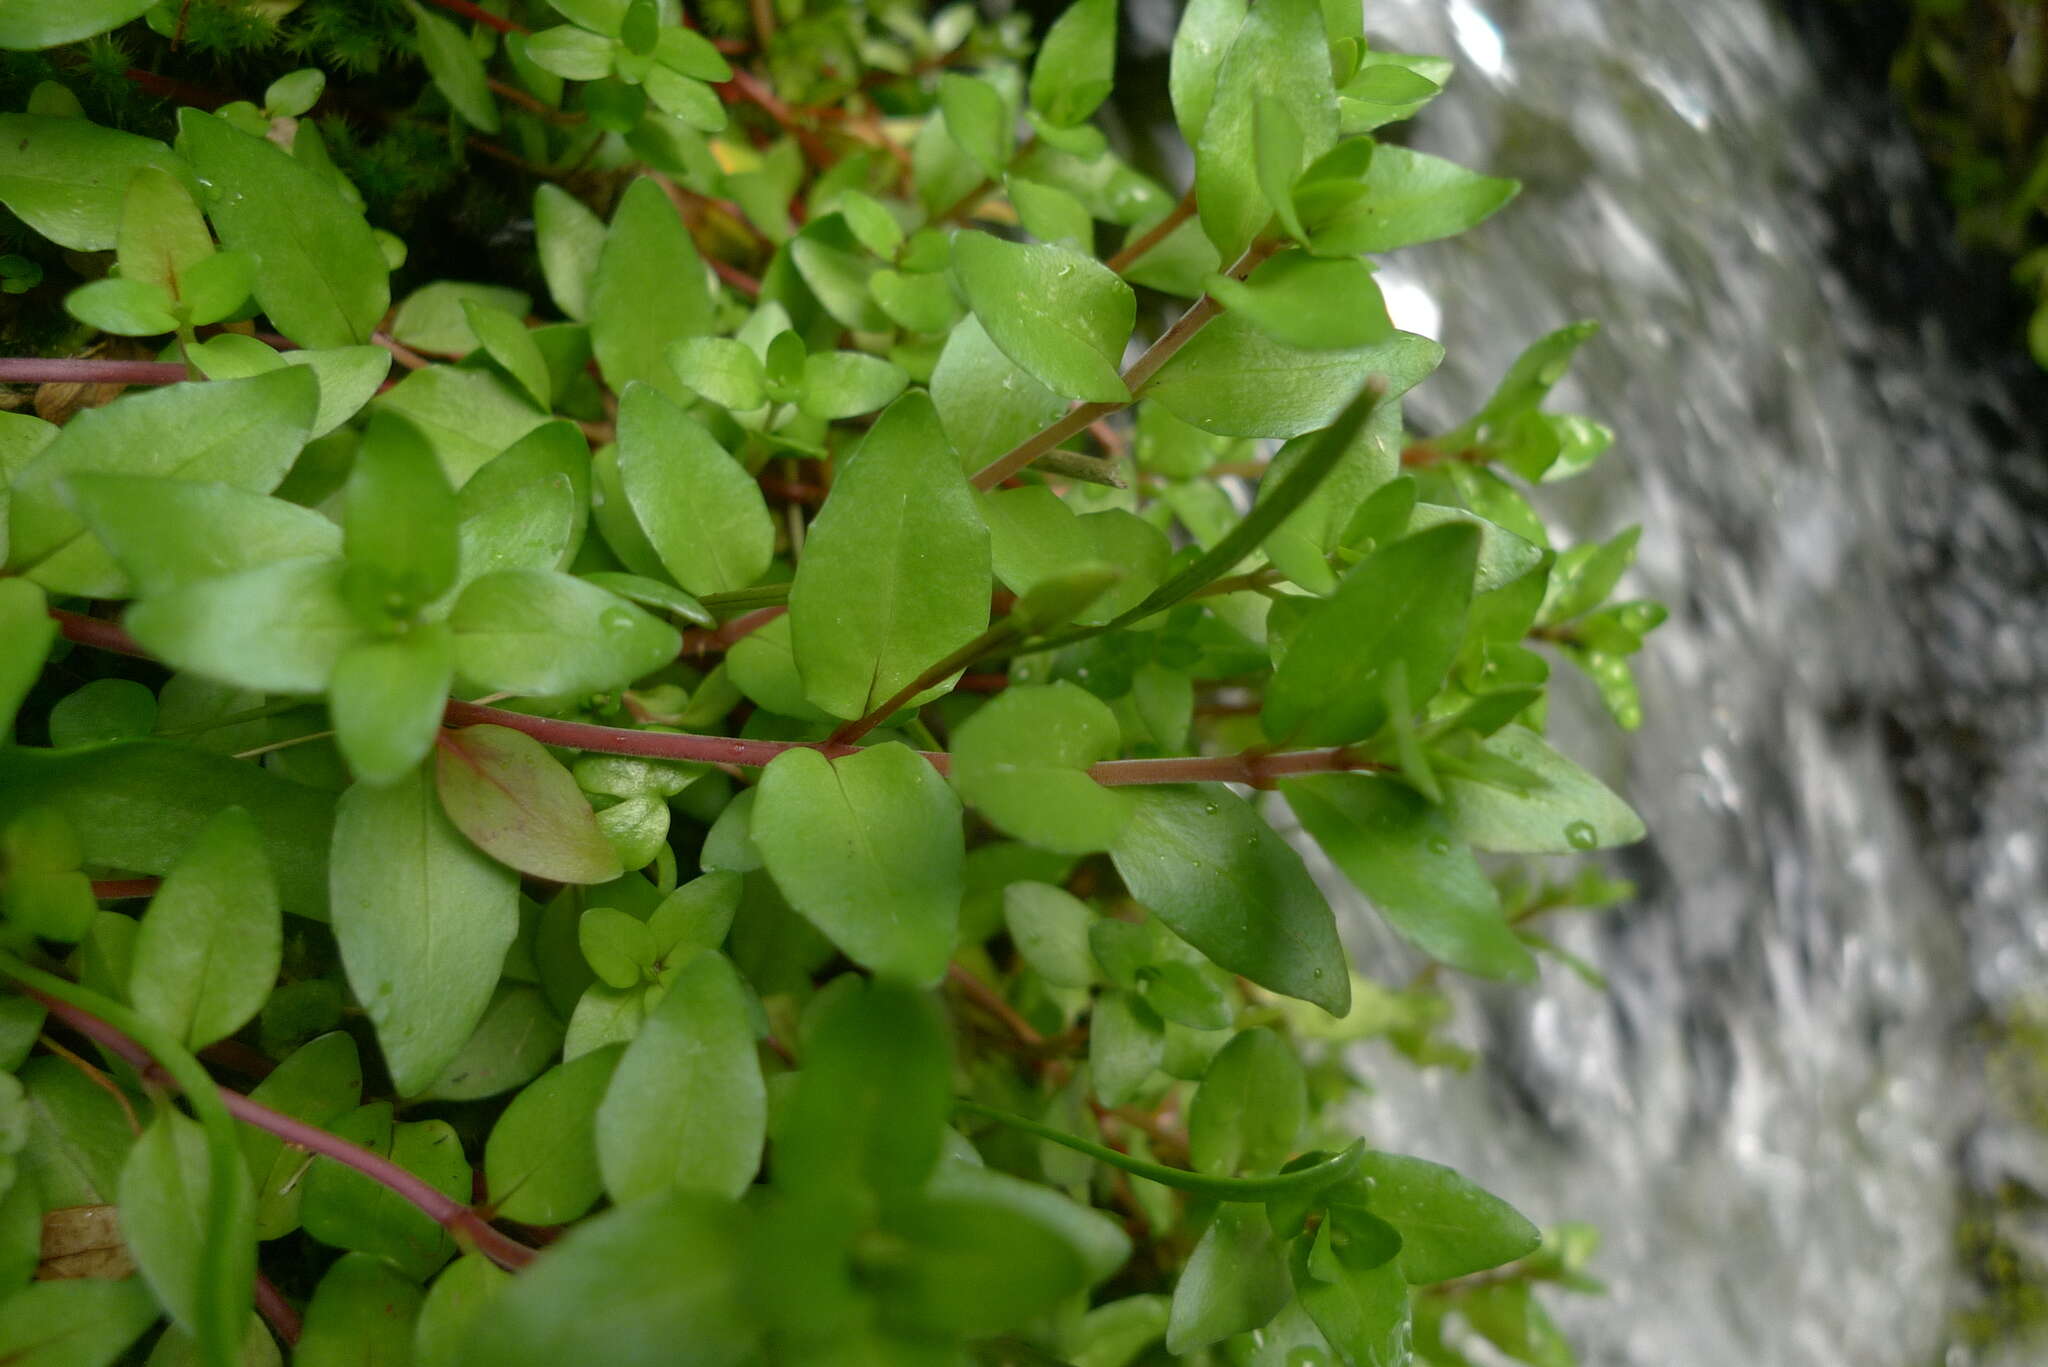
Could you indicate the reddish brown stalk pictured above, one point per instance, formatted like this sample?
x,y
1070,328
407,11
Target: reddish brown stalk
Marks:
x,y
75,370
991,1001
402,353
120,889
744,85
459,1220
737,278
166,88
1154,235
698,642
480,15
538,106
94,632
277,1312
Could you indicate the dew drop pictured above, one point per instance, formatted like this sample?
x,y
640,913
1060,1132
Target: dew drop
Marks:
x,y
1211,808
1580,835
615,620
1439,844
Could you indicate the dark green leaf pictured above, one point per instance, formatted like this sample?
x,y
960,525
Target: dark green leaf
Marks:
x,y
1279,52
1035,538
1235,1281
1207,866
1314,303
979,119
105,709
526,508
1449,1227
1076,63
321,1082
1402,852
452,1312
166,1191
457,71
1357,1298
1050,929
347,1209
1248,1114
1232,378
569,239
1126,1043
74,1323
869,849
1409,197
541,1161
362,1313
519,1035
25,26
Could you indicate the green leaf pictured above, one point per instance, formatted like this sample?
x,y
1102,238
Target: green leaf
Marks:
x,y
870,1104
1279,53
79,1138
541,1161
1076,64
571,53
423,921
1571,813
457,71
240,432
29,24
505,792
526,508
1276,156
1235,1281
971,1266
179,1349
1049,926
846,384
868,848
723,370
1357,1297
1022,761
347,1209
65,177
1449,1227
349,375
279,628
1403,607
916,302
654,1284
687,1109
1126,1043
362,1312
986,401
321,1082
293,93
453,1309
1409,197
126,308
218,286
386,698
836,268
166,532
208,951
1233,378
617,946
470,415
569,239
83,1323
701,510
648,291
1207,866
506,338
1058,313
1113,1335
1248,1114
979,119
324,282
398,522
1313,303
1403,852
519,1035
435,316
537,632
1301,546
166,1192
105,709
1097,1240
136,805
1035,538
26,633
894,575
161,234
1388,87
1207,29
1049,214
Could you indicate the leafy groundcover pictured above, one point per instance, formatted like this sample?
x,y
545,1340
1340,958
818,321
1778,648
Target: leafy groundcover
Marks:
x,y
751,809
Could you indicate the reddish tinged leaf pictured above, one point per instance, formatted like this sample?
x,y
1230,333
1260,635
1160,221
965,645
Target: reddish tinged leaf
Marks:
x,y
505,792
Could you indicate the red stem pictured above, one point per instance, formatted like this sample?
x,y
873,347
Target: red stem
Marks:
x,y
74,370
737,278
481,16
450,1214
118,889
284,1321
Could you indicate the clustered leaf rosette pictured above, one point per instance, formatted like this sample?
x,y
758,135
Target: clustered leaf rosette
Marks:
x,y
768,759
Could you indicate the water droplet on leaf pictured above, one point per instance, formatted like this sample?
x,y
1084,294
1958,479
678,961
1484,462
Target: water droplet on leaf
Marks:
x,y
1439,844
1580,835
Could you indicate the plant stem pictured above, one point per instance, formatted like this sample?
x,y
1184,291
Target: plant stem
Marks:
x,y
76,370
100,1022
997,634
1154,235
1301,1182
277,1311
1141,372
480,15
991,1001
117,889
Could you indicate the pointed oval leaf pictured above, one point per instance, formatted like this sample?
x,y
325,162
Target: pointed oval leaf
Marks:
x,y
1059,313
207,954
1220,877
1022,761
541,633
511,797
1449,1226
279,628
1571,813
648,292
1233,378
1248,1114
701,511
386,700
67,177
541,1161
423,920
